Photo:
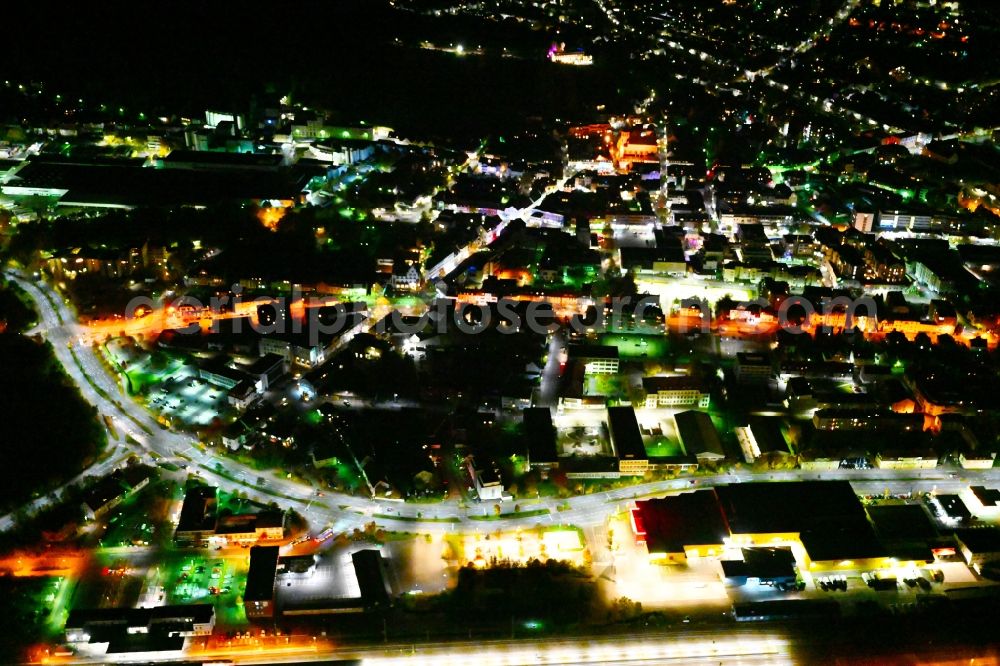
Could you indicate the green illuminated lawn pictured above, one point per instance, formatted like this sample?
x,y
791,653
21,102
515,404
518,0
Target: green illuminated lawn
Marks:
x,y
636,346
611,386
664,447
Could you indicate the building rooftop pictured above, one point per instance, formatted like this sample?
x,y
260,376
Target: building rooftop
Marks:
x,y
689,519
980,539
592,351
540,435
680,383
370,570
954,507
767,433
902,521
625,434
261,574
749,358
198,510
139,629
249,522
986,496
265,363
106,490
827,515
697,433
762,563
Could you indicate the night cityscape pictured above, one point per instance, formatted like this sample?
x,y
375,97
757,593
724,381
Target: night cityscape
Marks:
x,y
513,332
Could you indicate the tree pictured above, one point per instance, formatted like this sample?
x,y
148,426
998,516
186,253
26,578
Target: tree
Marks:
x,y
624,609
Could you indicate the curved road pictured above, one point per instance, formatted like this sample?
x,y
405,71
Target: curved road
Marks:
x,y
344,512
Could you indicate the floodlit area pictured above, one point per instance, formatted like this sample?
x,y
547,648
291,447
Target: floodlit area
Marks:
x,y
331,577
170,387
415,564
186,398
657,586
636,346
419,565
521,546
672,290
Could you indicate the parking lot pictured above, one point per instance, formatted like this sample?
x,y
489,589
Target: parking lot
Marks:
x,y
198,579
168,383
185,398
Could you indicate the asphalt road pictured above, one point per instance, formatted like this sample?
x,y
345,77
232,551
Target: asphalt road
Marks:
x,y
344,512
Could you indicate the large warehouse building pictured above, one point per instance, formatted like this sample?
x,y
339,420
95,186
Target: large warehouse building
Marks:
x,y
824,523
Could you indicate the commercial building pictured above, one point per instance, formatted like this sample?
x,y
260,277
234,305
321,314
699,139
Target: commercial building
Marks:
x,y
954,509
373,581
297,348
486,480
679,527
332,583
266,370
906,531
249,528
762,566
221,375
982,501
242,389
823,522
197,519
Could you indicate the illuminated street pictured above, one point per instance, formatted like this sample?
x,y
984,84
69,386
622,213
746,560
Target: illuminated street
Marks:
x,y
514,333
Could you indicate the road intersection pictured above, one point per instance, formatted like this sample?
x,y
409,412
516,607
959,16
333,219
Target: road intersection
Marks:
x,y
153,442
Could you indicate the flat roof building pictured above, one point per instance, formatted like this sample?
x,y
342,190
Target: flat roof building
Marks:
x,y
197,517
369,566
753,368
824,517
258,598
162,630
979,545
765,566
679,391
540,437
626,440
676,527
596,359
